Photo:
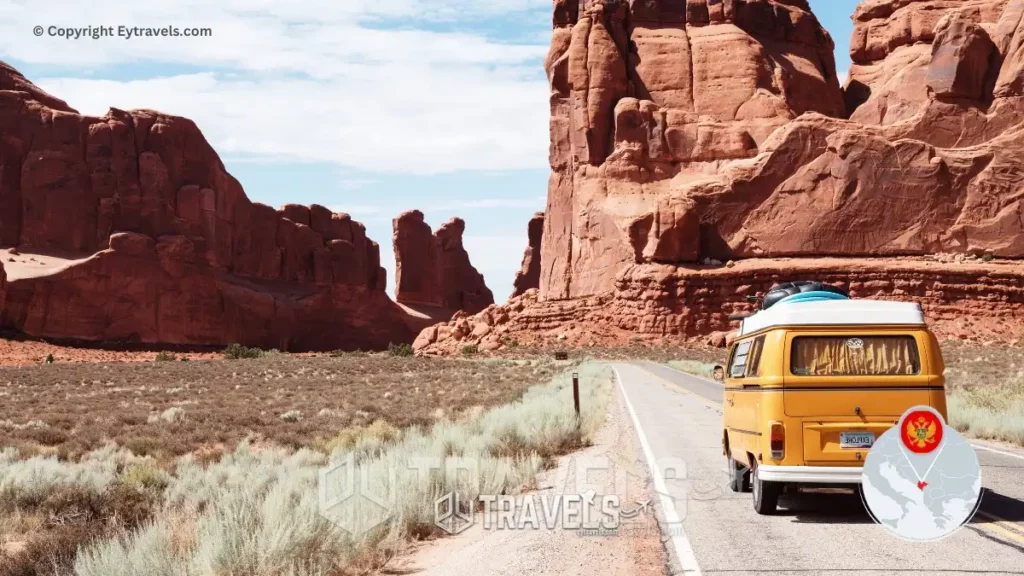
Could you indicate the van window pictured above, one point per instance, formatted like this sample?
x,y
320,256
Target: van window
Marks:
x,y
738,363
754,358
855,356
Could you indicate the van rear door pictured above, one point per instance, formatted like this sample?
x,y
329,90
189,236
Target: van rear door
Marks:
x,y
848,386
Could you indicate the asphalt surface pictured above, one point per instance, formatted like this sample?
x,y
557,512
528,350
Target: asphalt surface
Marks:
x,y
680,423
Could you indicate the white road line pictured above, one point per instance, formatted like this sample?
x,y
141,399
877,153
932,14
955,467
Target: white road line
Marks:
x,y
684,552
987,449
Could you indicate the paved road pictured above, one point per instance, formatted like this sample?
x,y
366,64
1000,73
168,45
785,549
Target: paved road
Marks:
x,y
679,419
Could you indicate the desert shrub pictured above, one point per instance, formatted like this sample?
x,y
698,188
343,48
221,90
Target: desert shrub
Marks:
x,y
470,349
292,416
169,416
400,350
992,411
362,439
26,483
145,475
166,356
239,352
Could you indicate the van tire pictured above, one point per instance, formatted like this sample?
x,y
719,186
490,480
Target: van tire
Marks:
x,y
739,476
766,494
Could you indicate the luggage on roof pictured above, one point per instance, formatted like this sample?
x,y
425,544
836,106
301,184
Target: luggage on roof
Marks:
x,y
802,291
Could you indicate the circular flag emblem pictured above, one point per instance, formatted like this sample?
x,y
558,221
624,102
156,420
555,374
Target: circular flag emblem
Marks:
x,y
921,431
921,479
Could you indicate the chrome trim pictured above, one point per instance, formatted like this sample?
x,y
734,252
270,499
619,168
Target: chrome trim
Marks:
x,y
811,474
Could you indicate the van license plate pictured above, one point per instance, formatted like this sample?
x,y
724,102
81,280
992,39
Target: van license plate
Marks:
x,y
856,439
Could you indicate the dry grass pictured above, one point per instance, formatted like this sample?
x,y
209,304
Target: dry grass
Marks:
x,y
985,388
167,409
172,499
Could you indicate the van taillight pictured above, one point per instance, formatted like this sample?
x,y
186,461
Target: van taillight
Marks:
x,y
778,440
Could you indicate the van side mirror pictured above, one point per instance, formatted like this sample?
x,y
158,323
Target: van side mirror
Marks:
x,y
719,374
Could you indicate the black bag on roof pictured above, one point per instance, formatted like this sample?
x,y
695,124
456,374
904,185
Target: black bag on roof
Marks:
x,y
786,289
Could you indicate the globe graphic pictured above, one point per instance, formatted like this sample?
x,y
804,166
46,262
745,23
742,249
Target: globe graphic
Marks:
x,y
891,491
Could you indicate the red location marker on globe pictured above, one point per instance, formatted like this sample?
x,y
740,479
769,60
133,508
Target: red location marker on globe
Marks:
x,y
922,432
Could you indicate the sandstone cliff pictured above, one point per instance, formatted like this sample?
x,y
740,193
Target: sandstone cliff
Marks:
x,y
705,132
163,246
528,277
729,140
434,269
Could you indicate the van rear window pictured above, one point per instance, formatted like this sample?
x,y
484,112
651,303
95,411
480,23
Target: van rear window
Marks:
x,y
855,356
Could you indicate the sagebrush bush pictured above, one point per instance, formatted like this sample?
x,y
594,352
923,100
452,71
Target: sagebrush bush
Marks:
x,y
993,411
400,350
239,352
166,356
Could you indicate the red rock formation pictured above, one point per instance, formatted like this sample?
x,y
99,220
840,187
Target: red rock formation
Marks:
x,y
716,133
751,179
434,269
528,277
648,97
903,51
964,299
181,255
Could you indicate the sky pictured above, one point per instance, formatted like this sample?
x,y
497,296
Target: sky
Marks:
x,y
369,107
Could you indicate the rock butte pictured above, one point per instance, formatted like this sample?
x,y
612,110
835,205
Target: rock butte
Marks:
x,y
528,276
127,228
434,269
699,131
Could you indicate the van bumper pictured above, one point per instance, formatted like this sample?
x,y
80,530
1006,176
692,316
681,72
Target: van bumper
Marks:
x,y
811,474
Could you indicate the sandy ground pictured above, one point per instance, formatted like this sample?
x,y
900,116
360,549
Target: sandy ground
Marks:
x,y
19,265
18,352
635,549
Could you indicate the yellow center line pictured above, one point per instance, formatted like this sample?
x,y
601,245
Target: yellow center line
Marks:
x,y
1001,525
995,524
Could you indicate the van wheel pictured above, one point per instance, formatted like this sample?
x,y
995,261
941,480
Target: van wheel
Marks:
x,y
766,494
739,476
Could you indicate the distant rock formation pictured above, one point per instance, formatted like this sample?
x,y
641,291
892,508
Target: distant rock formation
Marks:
x,y
434,269
164,245
528,277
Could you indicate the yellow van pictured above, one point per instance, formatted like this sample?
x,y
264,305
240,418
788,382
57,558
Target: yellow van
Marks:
x,y
812,383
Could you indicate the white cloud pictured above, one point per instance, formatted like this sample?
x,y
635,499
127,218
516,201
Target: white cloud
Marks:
x,y
315,80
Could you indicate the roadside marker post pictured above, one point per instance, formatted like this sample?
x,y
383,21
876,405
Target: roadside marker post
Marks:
x,y
576,395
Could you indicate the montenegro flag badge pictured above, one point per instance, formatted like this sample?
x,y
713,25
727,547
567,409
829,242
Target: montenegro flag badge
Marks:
x,y
921,432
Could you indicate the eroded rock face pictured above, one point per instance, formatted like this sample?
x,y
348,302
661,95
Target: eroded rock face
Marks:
x,y
650,91
433,269
147,195
528,277
902,51
661,304
728,139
